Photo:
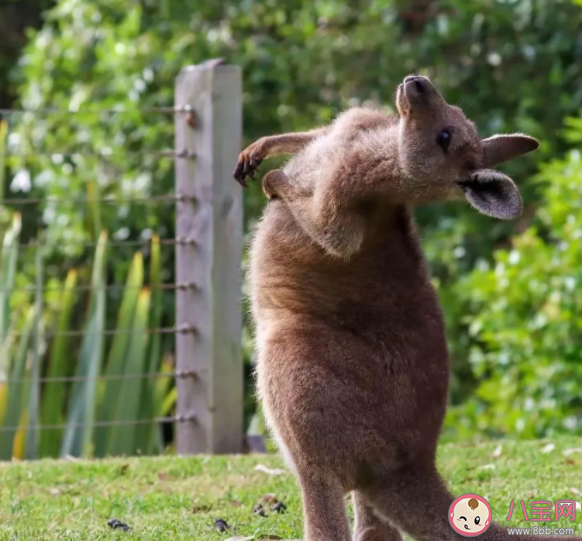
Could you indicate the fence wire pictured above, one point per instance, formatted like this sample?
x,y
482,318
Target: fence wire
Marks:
x,y
105,154
114,244
174,109
182,329
109,287
177,374
115,200
61,426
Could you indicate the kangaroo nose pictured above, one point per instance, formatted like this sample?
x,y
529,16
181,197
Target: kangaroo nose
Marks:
x,y
418,93
419,82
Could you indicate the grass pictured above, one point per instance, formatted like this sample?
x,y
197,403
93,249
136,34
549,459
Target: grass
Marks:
x,y
170,497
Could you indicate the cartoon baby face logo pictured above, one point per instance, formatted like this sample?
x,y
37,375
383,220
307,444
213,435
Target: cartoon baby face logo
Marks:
x,y
470,515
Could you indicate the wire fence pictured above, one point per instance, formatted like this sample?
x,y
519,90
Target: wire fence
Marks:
x,y
93,343
139,375
132,422
187,109
109,200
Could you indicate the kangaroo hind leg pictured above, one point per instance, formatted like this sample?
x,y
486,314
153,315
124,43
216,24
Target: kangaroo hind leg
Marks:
x,y
368,525
415,499
324,510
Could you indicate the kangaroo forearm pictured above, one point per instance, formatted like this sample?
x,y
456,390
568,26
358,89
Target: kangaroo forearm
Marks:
x,y
290,143
287,143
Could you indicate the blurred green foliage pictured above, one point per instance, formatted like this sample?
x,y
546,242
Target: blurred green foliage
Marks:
x,y
526,317
513,65
15,17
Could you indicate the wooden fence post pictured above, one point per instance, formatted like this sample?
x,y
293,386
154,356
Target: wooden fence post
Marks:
x,y
208,260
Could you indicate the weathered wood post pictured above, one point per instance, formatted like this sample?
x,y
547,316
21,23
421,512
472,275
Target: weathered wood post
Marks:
x,y
208,260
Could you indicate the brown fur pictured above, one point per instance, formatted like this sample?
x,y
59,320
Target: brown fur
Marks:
x,y
352,366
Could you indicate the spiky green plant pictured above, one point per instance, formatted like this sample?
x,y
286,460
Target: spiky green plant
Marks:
x,y
58,367
81,414
117,356
98,412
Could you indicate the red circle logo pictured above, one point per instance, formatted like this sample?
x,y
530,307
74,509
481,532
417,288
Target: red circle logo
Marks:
x,y
470,515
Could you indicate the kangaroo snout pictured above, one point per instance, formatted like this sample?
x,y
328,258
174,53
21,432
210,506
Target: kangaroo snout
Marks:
x,y
417,83
417,92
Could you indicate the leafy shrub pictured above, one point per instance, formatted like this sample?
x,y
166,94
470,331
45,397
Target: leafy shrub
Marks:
x,y
525,322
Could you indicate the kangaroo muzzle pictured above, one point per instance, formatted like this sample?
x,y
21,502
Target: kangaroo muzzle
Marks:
x,y
416,93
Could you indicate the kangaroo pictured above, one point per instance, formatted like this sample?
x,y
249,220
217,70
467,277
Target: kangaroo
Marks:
x,y
352,365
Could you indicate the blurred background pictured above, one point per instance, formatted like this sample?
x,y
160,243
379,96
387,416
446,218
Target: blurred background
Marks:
x,y
511,292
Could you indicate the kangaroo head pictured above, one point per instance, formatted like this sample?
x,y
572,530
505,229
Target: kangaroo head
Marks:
x,y
441,155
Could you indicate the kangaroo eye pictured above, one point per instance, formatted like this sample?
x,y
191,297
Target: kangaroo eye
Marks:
x,y
444,139
477,520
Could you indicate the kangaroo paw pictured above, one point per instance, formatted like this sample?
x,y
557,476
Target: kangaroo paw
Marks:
x,y
248,161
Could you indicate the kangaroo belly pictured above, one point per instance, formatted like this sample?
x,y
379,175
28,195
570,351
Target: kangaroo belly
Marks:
x,y
334,400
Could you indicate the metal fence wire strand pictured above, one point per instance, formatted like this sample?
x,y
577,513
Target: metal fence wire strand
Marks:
x,y
107,199
109,287
112,244
177,374
171,419
104,154
167,109
184,328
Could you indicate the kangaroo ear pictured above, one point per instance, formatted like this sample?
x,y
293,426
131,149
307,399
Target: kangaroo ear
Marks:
x,y
500,148
492,193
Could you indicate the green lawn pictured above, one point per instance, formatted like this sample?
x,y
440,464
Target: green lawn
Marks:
x,y
169,498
